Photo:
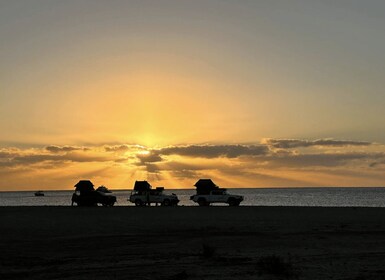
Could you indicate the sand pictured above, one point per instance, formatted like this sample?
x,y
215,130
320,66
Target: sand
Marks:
x,y
192,243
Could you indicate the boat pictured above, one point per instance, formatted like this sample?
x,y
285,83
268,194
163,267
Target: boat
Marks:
x,y
39,193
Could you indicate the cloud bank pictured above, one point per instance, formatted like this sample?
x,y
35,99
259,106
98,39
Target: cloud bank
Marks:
x,y
272,162
300,143
213,151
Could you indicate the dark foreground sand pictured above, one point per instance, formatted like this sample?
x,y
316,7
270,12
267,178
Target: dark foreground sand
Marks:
x,y
192,243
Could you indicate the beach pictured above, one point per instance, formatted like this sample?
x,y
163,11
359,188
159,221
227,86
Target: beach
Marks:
x,y
192,243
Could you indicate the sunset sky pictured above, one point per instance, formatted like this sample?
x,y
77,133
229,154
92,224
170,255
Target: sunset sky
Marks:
x,y
248,93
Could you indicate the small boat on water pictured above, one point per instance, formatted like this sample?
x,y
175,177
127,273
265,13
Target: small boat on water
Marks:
x,y
39,193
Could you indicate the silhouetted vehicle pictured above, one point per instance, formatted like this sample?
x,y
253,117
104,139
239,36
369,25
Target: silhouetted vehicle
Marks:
x,y
103,189
86,195
208,192
39,193
143,194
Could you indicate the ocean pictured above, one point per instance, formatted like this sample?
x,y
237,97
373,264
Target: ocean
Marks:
x,y
339,197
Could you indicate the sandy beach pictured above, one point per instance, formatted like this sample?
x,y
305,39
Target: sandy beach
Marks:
x,y
192,243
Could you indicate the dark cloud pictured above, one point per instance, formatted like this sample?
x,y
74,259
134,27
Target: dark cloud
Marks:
x,y
58,149
148,161
325,159
377,163
204,151
248,161
250,158
32,159
77,157
6,155
175,168
117,148
213,151
150,167
122,148
298,143
151,157
19,158
121,160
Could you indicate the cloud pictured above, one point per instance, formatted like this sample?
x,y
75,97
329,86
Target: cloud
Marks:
x,y
245,160
321,159
117,148
152,168
151,157
213,151
258,155
149,167
300,143
5,155
32,159
14,157
377,163
123,148
271,163
58,149
149,162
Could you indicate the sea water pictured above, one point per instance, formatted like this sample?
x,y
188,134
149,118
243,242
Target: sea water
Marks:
x,y
339,197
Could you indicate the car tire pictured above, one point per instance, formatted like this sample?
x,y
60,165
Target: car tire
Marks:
x,y
166,202
138,202
233,202
202,202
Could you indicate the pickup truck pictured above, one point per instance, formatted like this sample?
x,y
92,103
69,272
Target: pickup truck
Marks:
x,y
86,195
217,196
143,194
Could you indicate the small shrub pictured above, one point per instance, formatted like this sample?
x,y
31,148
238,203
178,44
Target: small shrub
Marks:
x,y
277,266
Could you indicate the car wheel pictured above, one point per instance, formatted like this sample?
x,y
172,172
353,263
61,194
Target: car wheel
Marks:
x,y
233,202
138,202
166,202
202,202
